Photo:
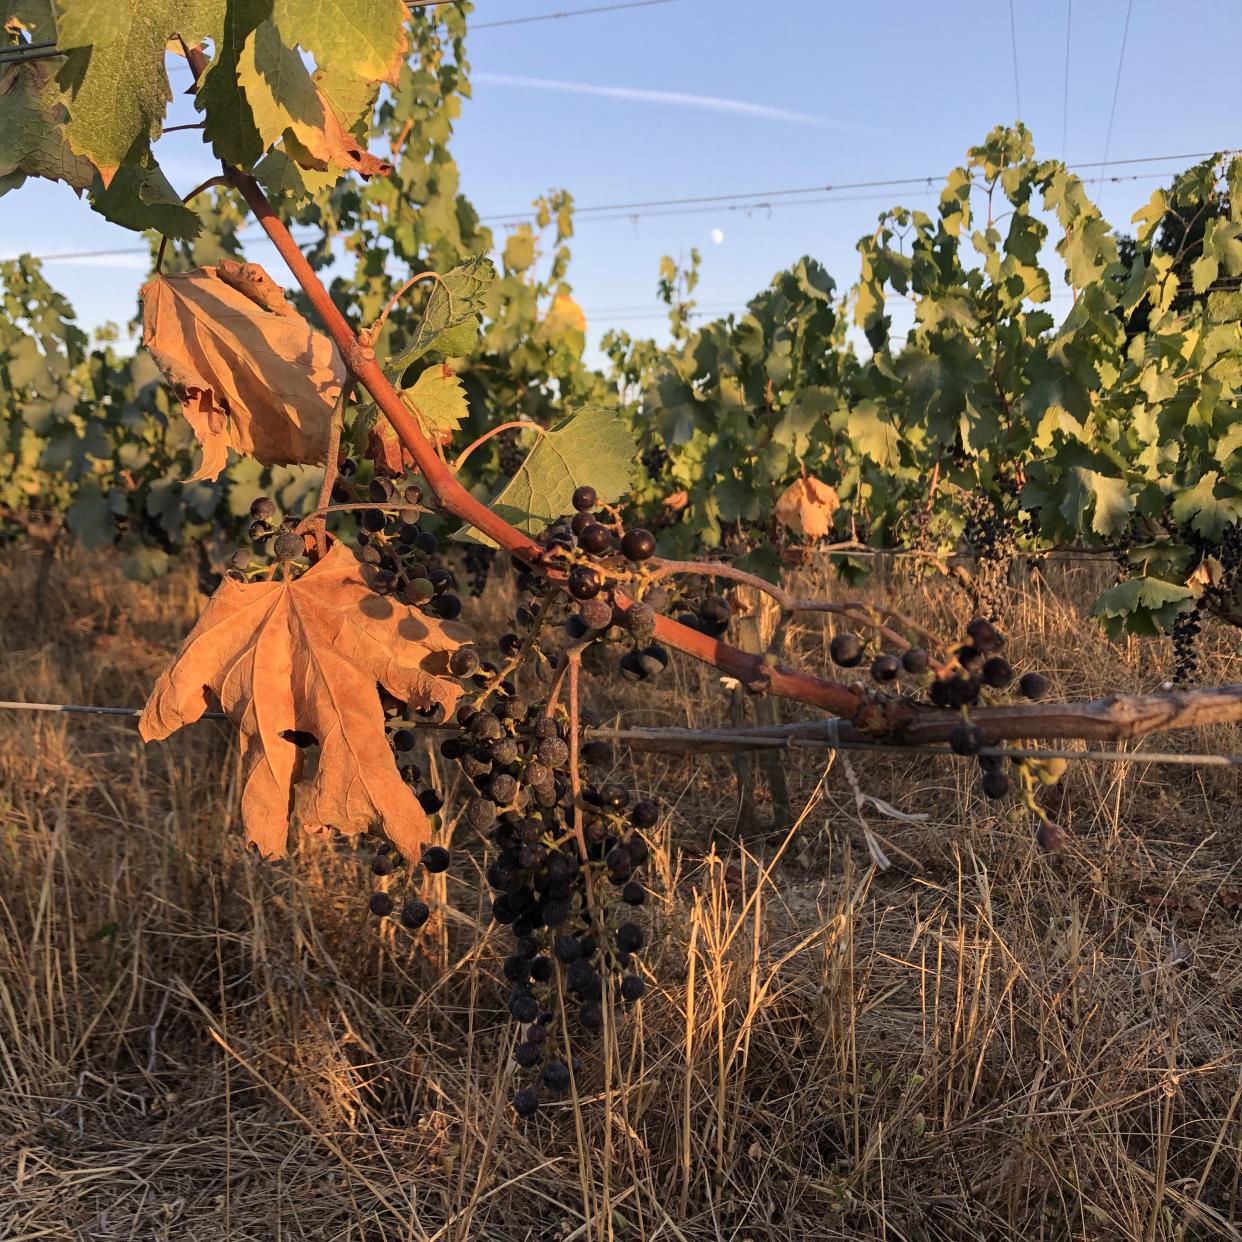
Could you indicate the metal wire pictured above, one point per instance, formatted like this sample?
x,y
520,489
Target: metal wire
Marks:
x,y
742,740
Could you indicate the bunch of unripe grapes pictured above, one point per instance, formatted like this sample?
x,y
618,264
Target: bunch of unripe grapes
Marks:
x,y
976,671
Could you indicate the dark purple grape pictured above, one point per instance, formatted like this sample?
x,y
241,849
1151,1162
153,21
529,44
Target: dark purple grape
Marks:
x,y
638,545
914,661
526,1102
594,539
632,988
846,650
885,668
414,914
1034,685
966,739
436,859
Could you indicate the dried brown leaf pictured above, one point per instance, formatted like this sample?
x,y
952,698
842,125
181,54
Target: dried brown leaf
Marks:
x,y
806,506
308,655
250,376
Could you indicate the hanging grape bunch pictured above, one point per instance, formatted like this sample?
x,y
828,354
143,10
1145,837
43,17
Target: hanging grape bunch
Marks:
x,y
395,551
566,876
976,673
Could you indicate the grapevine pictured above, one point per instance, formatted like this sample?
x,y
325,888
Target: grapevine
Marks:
x,y
338,625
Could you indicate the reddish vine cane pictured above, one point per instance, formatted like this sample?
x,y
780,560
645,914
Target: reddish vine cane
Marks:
x,y
875,715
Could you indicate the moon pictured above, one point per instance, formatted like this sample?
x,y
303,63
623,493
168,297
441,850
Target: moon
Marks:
x,y
717,236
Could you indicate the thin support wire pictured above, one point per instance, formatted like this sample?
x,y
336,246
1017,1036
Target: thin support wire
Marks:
x,y
1112,112
725,739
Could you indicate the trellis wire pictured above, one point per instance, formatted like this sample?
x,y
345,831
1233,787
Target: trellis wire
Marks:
x,y
724,739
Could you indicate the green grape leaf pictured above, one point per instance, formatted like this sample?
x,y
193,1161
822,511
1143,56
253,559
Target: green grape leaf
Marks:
x,y
1203,272
1110,498
360,39
460,340
1056,418
1150,215
86,22
283,177
438,400
140,197
519,251
285,99
230,125
456,299
1146,606
277,84
1208,514
113,73
591,446
1230,444
737,500
874,436
144,563
31,129
90,517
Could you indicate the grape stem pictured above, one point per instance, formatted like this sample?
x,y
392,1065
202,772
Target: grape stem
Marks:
x,y
789,603
330,465
524,424
368,336
351,506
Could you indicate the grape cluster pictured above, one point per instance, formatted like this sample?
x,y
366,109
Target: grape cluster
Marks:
x,y
988,533
413,912
1185,635
597,554
477,560
272,537
976,672
510,455
1220,596
395,551
655,459
566,879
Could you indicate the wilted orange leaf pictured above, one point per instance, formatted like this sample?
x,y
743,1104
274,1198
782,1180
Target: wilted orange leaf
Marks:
x,y
307,655
251,375
806,506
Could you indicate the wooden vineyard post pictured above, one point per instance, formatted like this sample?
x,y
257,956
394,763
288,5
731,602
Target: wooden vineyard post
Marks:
x,y
763,707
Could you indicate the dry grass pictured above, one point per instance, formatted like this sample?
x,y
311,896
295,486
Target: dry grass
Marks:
x,y
981,1043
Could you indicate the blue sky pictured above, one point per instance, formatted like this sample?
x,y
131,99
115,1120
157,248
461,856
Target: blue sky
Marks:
x,y
722,97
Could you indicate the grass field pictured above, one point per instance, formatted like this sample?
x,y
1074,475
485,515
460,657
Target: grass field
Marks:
x,y
982,1042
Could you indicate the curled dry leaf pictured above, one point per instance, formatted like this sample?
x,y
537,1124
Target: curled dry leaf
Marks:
x,y
257,285
806,506
308,655
251,373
